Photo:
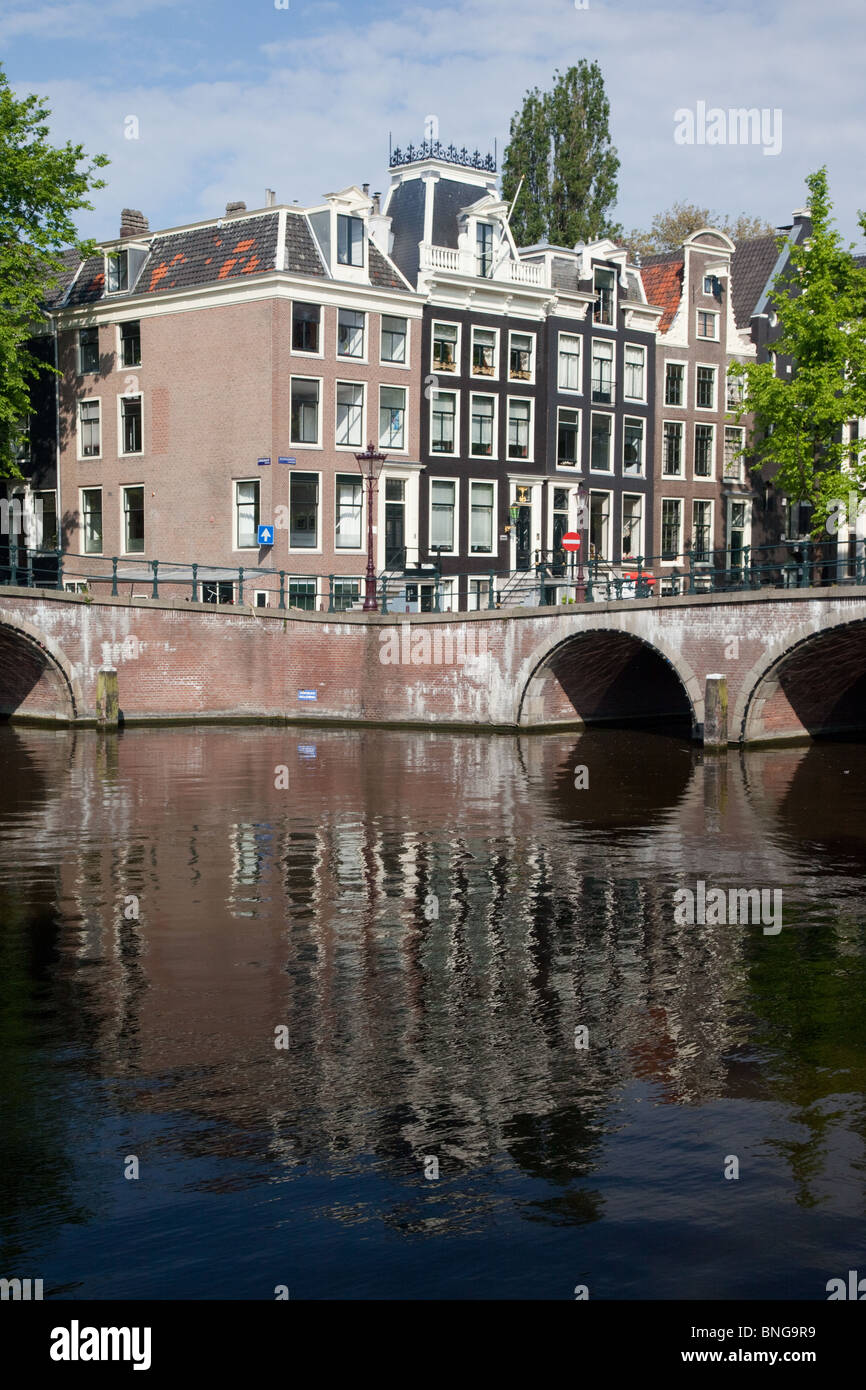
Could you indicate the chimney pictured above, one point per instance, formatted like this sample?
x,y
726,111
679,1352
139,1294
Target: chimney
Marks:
x,y
133,223
270,197
376,197
365,189
232,209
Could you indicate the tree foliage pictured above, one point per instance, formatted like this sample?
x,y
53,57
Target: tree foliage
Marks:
x,y
820,302
560,145
670,228
41,188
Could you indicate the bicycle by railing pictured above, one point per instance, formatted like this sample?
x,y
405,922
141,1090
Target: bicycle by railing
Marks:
x,y
552,579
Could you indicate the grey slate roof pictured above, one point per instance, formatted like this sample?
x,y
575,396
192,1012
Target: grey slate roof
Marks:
x,y
89,283
382,272
751,266
406,210
302,257
57,291
449,197
241,246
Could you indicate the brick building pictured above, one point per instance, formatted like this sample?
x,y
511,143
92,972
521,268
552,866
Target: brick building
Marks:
x,y
220,377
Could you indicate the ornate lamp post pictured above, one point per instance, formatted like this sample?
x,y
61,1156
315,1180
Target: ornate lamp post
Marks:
x,y
371,463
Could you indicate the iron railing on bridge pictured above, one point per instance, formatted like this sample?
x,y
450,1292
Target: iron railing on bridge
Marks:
x,y
553,579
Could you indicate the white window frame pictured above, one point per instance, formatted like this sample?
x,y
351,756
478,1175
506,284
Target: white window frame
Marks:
x,y
631,419
456,525
446,453
129,396
494,533
303,352
458,346
344,357
360,444
236,546
747,529
394,386
739,462
705,337
121,324
680,425
123,538
606,343
607,552
533,352
82,457
260,593
86,328
493,456
361,547
81,491
297,443
530,457
713,367
386,361
578,338
306,549
480,376
709,502
604,472
642,498
711,476
679,547
605,327
568,469
639,347
676,362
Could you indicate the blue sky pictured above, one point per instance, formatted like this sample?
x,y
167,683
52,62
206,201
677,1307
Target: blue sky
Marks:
x,y
237,95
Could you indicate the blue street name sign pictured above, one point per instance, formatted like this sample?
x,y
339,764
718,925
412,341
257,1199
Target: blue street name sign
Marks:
x,y
264,463
308,694
283,459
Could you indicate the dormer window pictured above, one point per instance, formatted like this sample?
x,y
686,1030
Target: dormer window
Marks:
x,y
444,347
484,248
350,240
603,284
118,272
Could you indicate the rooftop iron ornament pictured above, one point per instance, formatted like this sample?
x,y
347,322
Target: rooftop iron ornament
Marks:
x,y
449,154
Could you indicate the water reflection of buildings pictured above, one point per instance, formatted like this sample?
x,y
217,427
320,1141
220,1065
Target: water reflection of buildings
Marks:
x,y
311,907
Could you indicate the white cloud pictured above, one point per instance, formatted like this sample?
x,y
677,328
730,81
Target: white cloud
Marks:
x,y
319,114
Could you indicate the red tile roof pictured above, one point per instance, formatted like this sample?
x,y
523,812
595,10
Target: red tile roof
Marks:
x,y
663,283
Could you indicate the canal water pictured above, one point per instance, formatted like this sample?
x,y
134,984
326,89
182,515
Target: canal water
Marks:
x,y
390,1014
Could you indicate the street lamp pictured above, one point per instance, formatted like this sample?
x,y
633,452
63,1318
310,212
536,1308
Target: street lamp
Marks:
x,y
371,463
581,517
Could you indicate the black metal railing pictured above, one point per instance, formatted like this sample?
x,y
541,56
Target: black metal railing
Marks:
x,y
548,577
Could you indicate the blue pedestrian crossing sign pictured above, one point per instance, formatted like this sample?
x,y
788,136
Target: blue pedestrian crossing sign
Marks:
x,y
266,535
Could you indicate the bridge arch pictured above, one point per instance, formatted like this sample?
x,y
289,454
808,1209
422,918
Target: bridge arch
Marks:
x,y
36,678
815,685
603,673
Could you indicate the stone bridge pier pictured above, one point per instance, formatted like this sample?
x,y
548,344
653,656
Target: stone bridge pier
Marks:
x,y
793,661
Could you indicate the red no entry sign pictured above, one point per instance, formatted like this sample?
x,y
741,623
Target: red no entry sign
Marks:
x,y
571,541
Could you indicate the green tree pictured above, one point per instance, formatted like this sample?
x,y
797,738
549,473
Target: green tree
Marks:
x,y
560,145
41,188
670,228
820,301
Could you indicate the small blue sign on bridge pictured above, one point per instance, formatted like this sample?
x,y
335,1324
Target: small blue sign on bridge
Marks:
x,y
308,694
266,535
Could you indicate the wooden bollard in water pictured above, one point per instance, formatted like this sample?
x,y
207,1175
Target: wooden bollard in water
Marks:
x,y
107,699
716,712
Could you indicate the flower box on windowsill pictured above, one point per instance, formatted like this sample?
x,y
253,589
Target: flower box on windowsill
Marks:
x,y
520,376
444,366
482,371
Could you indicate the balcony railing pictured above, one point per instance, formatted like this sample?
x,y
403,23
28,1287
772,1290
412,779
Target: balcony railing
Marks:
x,y
456,262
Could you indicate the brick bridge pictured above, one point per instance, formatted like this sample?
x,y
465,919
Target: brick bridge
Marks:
x,y
795,662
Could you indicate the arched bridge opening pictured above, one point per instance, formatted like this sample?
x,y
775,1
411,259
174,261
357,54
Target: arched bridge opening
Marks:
x,y
33,682
817,689
607,678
